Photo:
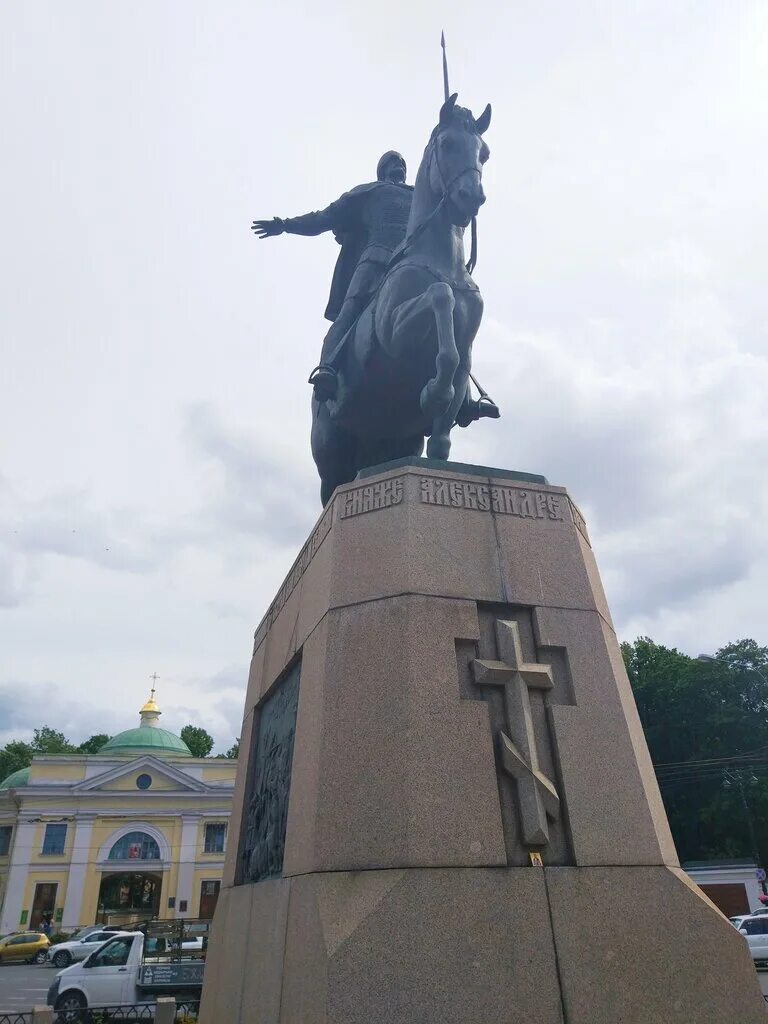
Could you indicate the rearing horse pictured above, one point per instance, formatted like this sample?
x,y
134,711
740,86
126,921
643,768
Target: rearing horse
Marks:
x,y
404,370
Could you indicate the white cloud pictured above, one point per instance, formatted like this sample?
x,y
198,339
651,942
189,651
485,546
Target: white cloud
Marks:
x,y
157,480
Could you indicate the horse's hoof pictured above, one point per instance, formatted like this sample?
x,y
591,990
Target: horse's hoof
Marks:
x,y
434,401
439,447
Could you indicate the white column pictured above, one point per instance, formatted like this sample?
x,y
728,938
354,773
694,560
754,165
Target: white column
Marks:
x,y
21,854
78,870
187,858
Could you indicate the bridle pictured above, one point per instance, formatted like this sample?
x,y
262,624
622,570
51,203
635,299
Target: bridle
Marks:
x,y
445,197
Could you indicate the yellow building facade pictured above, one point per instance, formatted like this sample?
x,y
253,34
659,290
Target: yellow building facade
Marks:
x,y
138,830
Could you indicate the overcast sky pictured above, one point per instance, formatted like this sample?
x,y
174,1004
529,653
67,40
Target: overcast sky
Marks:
x,y
156,480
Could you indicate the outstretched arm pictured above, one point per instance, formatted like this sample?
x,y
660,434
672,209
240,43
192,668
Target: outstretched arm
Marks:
x,y
268,228
330,219
308,224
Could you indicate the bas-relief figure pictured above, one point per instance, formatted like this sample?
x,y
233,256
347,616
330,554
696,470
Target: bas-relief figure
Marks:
x,y
267,810
395,365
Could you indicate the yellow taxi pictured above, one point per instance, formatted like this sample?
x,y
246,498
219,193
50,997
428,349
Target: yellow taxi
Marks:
x,y
31,947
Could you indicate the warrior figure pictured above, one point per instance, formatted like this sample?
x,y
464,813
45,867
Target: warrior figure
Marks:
x,y
369,223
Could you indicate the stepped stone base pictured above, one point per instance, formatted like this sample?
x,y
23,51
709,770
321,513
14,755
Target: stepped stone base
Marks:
x,y
439,723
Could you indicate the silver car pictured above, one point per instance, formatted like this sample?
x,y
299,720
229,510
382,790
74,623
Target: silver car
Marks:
x,y
65,953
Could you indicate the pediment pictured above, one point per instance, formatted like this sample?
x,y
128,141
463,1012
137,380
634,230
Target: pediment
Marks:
x,y
166,778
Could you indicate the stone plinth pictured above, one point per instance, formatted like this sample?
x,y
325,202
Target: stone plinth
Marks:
x,y
439,723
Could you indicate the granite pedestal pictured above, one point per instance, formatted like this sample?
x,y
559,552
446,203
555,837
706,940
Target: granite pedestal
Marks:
x,y
439,723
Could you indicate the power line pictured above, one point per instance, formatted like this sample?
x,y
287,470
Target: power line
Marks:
x,y
734,757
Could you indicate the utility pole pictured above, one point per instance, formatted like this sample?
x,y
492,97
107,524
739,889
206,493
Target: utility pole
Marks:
x,y
737,777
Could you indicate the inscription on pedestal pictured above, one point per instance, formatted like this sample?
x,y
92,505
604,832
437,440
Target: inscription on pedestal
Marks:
x,y
267,812
374,496
512,501
298,569
579,523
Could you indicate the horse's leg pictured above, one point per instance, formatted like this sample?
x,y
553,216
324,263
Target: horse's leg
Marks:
x,y
439,443
438,393
334,451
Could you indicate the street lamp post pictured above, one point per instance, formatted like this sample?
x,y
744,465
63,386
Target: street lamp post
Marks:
x,y
711,657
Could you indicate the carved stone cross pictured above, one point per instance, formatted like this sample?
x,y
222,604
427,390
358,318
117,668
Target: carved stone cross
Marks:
x,y
537,797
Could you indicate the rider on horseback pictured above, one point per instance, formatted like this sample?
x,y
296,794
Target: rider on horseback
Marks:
x,y
369,222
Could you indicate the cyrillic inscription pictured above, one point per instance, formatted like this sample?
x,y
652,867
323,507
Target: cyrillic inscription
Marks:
x,y
366,499
298,569
512,501
578,522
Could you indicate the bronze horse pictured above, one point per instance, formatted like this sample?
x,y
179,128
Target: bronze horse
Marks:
x,y
404,369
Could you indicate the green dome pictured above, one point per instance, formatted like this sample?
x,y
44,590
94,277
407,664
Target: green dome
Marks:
x,y
19,778
147,739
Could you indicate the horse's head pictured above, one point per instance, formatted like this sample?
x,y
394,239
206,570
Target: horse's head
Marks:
x,y
458,155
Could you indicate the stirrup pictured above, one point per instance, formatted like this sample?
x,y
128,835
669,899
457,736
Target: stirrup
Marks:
x,y
324,380
471,411
322,370
487,408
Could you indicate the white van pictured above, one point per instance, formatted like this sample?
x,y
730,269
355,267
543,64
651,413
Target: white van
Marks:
x,y
122,971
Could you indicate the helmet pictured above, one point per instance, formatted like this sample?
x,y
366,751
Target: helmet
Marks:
x,y
389,155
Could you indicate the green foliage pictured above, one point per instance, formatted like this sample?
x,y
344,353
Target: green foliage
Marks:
x,y
13,756
233,752
94,743
198,740
45,740
50,741
701,720
17,754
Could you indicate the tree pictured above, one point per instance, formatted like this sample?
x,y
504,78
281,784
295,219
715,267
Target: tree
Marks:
x,y
233,752
198,740
94,743
49,741
701,719
14,755
18,754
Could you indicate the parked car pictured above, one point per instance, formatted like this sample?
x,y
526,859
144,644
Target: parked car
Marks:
x,y
739,919
89,929
65,953
29,947
755,931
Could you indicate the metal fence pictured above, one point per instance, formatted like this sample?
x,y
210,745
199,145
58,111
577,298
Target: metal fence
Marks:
x,y
12,1017
186,1013
136,1012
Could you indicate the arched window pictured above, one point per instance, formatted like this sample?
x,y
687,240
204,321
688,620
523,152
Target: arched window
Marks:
x,y
135,846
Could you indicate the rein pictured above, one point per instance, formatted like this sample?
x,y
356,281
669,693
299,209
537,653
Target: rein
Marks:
x,y
472,261
444,198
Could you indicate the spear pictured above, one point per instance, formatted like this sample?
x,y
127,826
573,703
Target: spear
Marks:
x,y
445,66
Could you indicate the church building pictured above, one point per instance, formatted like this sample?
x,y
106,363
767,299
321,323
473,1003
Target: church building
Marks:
x,y
136,831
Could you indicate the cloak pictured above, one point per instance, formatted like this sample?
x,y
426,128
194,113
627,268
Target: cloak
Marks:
x,y
345,218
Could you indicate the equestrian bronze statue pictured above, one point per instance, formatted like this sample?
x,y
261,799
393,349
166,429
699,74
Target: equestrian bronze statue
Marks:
x,y
369,223
396,364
